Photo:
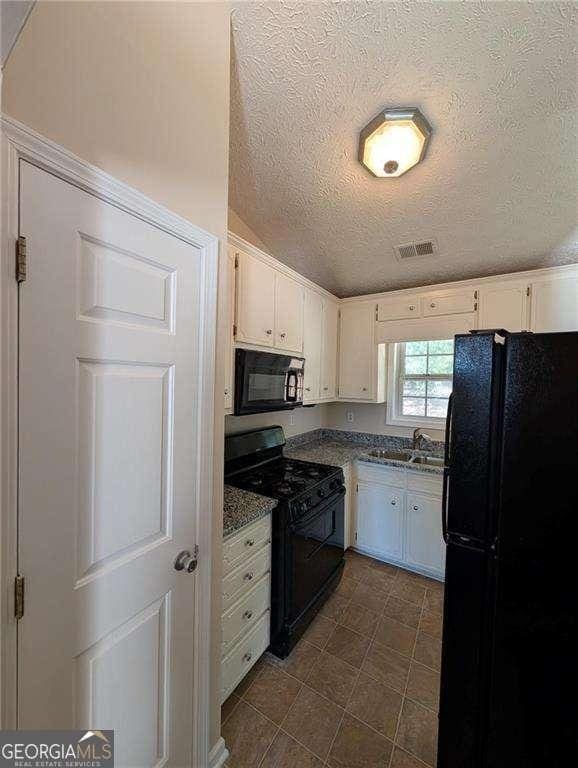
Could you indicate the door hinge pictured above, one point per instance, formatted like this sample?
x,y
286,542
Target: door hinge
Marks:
x,y
355,535
356,487
234,329
236,261
19,597
475,294
528,291
475,306
377,311
21,259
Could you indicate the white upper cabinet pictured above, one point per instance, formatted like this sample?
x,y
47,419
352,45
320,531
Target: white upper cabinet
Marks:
x,y
312,345
554,302
361,360
451,303
230,310
289,297
329,350
255,301
398,308
504,305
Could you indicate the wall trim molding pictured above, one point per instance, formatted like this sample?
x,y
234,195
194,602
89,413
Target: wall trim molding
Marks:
x,y
219,754
20,143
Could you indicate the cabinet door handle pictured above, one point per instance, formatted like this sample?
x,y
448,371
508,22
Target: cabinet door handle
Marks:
x,y
268,331
308,389
432,305
249,542
226,391
415,508
247,615
393,502
364,389
411,307
325,389
247,657
249,576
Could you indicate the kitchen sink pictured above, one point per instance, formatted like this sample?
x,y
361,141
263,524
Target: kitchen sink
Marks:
x,y
395,455
432,461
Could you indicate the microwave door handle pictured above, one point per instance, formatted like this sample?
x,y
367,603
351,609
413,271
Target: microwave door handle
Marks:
x,y
446,476
291,376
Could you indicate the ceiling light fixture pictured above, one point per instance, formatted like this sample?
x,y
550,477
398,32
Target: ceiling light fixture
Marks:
x,y
394,141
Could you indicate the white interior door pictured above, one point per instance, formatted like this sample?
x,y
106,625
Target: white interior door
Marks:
x,y
108,382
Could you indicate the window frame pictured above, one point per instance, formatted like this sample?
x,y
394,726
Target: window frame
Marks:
x,y
394,416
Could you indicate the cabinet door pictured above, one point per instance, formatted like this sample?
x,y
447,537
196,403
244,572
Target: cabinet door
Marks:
x,y
288,314
329,351
312,343
424,545
356,351
555,304
230,310
379,519
400,308
505,306
453,303
255,301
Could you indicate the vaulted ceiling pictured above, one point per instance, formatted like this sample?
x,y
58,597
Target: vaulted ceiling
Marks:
x,y
498,188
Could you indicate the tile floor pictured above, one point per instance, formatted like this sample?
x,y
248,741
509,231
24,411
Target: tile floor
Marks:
x,y
361,688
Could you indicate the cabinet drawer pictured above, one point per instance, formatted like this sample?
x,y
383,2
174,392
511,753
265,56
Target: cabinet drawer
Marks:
x,y
243,656
381,473
450,304
242,579
398,309
245,613
248,540
420,481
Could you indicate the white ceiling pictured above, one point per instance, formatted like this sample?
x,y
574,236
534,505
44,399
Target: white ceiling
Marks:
x,y
498,188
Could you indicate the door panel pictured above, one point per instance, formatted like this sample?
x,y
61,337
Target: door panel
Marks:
x,y
312,342
425,547
356,351
289,297
108,380
255,301
456,302
555,305
329,356
504,306
380,519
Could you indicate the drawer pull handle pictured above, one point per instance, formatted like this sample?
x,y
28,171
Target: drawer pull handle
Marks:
x,y
268,331
393,502
247,657
249,542
432,305
411,307
283,335
248,615
415,508
248,576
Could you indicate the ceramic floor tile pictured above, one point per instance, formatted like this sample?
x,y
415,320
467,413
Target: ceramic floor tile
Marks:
x,y
360,619
431,623
335,607
357,746
379,580
428,650
348,646
434,599
376,705
228,706
423,686
333,679
409,591
273,692
346,587
402,611
403,759
285,752
247,735
417,731
369,597
313,721
319,631
300,660
387,666
395,635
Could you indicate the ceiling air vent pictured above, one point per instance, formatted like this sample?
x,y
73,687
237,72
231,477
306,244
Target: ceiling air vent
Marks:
x,y
414,250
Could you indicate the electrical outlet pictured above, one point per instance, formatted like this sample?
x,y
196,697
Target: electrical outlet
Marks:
x,y
349,416
291,419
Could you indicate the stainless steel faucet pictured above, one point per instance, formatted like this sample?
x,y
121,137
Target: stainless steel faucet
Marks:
x,y
418,436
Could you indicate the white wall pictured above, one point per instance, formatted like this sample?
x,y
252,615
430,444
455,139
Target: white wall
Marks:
x,y
368,417
238,226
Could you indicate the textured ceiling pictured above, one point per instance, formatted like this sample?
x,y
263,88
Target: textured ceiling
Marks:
x,y
498,188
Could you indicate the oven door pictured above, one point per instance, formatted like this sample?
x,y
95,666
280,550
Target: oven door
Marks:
x,y
267,382
317,546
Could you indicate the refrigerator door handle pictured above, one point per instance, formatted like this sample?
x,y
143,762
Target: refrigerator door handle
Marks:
x,y
446,477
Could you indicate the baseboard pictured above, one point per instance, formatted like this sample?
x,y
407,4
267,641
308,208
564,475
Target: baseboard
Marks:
x,y
219,754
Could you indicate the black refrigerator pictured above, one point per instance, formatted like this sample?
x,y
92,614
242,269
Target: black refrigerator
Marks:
x,y
509,682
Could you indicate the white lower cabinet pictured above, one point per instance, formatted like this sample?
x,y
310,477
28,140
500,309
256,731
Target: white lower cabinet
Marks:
x,y
398,518
246,602
379,519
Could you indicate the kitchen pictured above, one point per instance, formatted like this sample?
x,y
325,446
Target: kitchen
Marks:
x,y
288,385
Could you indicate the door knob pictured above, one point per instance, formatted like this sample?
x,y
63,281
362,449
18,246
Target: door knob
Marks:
x,y
185,561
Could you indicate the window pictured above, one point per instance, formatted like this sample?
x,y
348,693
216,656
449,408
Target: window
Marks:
x,y
420,382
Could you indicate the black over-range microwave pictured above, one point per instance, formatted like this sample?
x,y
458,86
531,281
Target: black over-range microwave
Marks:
x,y
265,381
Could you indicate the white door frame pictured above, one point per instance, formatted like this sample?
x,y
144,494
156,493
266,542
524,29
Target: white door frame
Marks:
x,y
21,143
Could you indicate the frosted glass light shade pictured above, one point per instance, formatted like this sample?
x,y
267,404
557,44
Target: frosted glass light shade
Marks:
x,y
393,142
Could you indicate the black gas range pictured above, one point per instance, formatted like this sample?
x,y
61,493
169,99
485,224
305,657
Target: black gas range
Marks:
x,y
307,524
